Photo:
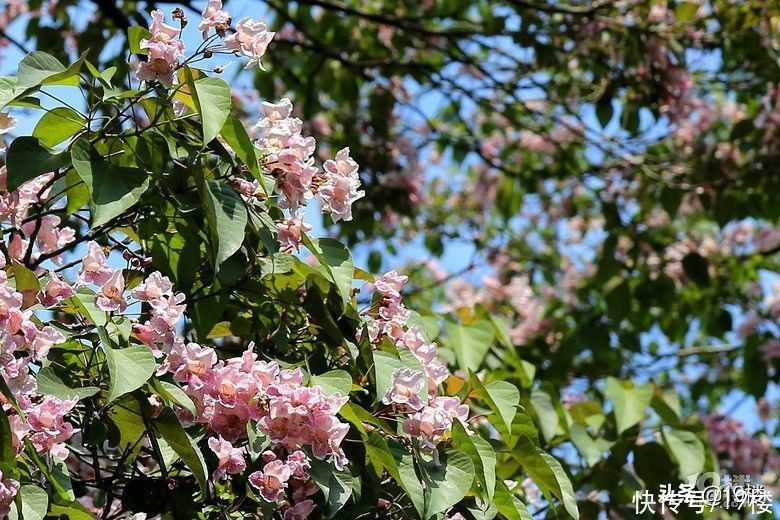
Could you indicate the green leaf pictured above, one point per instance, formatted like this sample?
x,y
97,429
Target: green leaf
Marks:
x,y
27,159
113,189
25,279
125,416
77,192
630,402
481,454
172,394
39,68
170,429
501,397
214,105
135,34
236,136
336,485
448,481
591,450
7,451
685,11
509,505
470,342
129,368
84,301
335,381
400,464
604,110
226,218
546,413
49,383
74,511
35,504
547,473
337,261
687,450
697,269
57,125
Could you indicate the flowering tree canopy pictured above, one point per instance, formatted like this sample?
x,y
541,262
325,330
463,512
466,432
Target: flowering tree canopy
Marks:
x,y
193,203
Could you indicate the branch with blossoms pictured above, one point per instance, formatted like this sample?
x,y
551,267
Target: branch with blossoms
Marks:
x,y
167,348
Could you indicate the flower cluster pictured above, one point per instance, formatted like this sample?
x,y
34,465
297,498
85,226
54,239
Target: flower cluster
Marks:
x,y
165,48
48,237
746,455
38,418
8,490
251,39
229,394
340,189
429,416
290,156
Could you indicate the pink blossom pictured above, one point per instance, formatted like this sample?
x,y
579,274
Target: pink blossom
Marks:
x,y
110,297
291,231
771,349
40,341
213,18
56,290
8,490
340,189
271,482
744,454
390,284
298,463
153,289
10,301
94,267
190,360
299,511
275,112
406,385
164,51
251,39
433,421
230,459
47,422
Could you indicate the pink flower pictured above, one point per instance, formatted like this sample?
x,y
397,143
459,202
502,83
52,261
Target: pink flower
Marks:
x,y
390,284
407,384
47,422
41,341
94,268
771,349
298,463
154,288
110,297
272,481
8,490
10,300
230,459
299,511
340,189
434,420
186,361
251,39
214,18
56,290
291,231
275,112
164,51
